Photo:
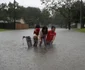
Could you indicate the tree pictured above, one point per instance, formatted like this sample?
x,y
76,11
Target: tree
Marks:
x,y
76,12
63,6
3,11
45,17
32,15
11,11
58,19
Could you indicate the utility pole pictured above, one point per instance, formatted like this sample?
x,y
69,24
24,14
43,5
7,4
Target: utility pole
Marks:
x,y
81,13
14,14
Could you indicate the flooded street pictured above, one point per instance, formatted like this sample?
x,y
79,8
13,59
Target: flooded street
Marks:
x,y
67,52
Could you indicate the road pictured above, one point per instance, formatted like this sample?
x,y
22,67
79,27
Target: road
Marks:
x,y
67,53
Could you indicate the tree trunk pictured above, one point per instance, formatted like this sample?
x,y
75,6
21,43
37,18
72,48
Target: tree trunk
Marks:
x,y
76,25
69,25
82,25
66,26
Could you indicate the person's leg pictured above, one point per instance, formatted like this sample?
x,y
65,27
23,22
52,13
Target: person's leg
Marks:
x,y
40,42
45,41
51,43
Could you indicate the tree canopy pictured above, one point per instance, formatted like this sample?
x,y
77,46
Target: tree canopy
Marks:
x,y
69,9
31,15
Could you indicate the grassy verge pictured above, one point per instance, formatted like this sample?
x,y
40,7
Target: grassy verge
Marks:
x,y
81,30
2,30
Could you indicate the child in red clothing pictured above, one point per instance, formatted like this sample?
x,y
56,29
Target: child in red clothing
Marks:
x,y
51,35
36,33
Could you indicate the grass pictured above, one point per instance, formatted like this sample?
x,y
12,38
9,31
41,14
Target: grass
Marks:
x,y
2,30
81,30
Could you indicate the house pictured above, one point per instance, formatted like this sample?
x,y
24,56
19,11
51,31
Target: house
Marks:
x,y
21,21
1,21
20,24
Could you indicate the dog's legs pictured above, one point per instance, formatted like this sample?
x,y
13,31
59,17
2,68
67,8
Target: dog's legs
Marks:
x,y
27,42
31,43
28,39
40,43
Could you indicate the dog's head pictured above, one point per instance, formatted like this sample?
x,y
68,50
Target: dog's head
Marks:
x,y
24,37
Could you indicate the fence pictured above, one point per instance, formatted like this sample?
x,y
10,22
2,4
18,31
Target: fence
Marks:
x,y
21,26
7,25
13,26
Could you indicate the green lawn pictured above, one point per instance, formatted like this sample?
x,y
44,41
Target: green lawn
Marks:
x,y
81,30
2,30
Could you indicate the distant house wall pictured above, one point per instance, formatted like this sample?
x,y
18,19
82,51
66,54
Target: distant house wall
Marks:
x,y
20,24
22,21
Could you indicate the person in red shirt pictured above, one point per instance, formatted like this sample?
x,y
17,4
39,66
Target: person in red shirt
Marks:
x,y
51,35
36,33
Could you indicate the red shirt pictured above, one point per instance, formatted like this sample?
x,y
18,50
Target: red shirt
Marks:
x,y
50,35
36,31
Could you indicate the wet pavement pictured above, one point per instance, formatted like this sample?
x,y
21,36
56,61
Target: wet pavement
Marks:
x,y
67,53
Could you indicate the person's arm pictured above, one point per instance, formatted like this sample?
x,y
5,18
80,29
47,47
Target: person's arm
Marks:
x,y
53,38
40,35
35,33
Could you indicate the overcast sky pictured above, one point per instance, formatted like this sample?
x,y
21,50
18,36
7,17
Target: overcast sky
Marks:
x,y
26,3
